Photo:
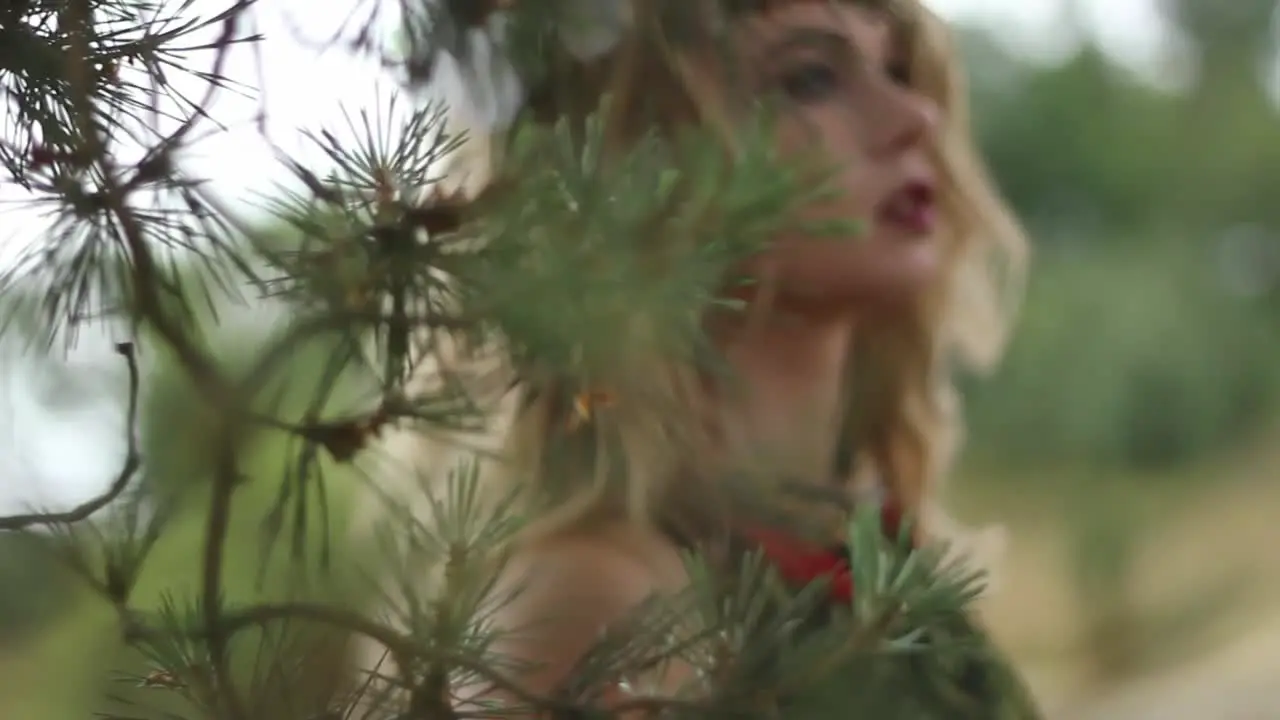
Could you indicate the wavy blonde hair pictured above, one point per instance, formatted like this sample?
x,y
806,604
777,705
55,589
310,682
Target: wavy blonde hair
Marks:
x,y
914,426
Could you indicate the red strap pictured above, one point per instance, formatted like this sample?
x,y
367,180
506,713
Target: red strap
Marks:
x,y
801,562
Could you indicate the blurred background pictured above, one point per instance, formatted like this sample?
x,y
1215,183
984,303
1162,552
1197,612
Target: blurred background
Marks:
x,y
1130,443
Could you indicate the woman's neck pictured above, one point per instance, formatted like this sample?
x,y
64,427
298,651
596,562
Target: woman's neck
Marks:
x,y
786,394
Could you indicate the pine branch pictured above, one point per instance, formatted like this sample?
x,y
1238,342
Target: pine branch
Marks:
x,y
104,68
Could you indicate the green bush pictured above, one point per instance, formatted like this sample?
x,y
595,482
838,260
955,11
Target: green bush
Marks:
x,y
1132,359
34,592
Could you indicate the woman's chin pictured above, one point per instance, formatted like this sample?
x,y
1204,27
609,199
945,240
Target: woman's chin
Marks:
x,y
878,274
895,270
902,286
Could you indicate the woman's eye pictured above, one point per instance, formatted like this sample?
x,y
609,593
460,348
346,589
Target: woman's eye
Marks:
x,y
809,83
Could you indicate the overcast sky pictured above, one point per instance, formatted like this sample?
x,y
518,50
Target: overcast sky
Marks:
x,y
66,456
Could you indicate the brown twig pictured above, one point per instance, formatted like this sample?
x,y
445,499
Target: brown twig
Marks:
x,y
150,310
132,461
342,439
159,156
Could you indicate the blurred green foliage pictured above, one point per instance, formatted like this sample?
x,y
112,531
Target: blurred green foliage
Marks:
x,y
1128,359
31,595
1149,332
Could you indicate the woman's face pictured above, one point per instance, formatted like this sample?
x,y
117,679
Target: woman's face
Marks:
x,y
845,100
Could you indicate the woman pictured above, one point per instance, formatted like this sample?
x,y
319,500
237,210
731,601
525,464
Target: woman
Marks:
x,y
874,86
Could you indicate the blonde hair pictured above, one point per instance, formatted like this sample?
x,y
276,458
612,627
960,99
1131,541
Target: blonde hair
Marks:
x,y
915,424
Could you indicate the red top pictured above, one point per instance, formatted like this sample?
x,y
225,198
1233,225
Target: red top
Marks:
x,y
802,562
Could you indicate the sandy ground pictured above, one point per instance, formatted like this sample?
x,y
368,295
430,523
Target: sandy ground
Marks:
x,y
1241,682
1233,673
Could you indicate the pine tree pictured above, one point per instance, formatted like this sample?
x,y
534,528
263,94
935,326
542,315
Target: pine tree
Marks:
x,y
387,258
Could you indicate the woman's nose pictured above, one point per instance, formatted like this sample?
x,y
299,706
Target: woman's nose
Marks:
x,y
908,119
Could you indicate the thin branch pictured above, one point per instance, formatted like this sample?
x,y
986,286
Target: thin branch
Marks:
x,y
150,310
132,461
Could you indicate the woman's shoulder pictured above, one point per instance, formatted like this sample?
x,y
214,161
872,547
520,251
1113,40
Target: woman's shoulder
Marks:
x,y
564,590
622,561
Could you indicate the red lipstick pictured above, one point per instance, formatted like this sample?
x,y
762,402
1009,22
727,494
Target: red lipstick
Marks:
x,y
912,208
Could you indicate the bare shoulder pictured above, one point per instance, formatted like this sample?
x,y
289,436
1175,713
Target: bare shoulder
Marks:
x,y
563,591
597,574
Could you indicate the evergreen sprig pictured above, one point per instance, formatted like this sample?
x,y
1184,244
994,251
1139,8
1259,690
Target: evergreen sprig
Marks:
x,y
578,264
88,83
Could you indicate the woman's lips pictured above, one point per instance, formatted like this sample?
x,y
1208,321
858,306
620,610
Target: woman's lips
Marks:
x,y
912,208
